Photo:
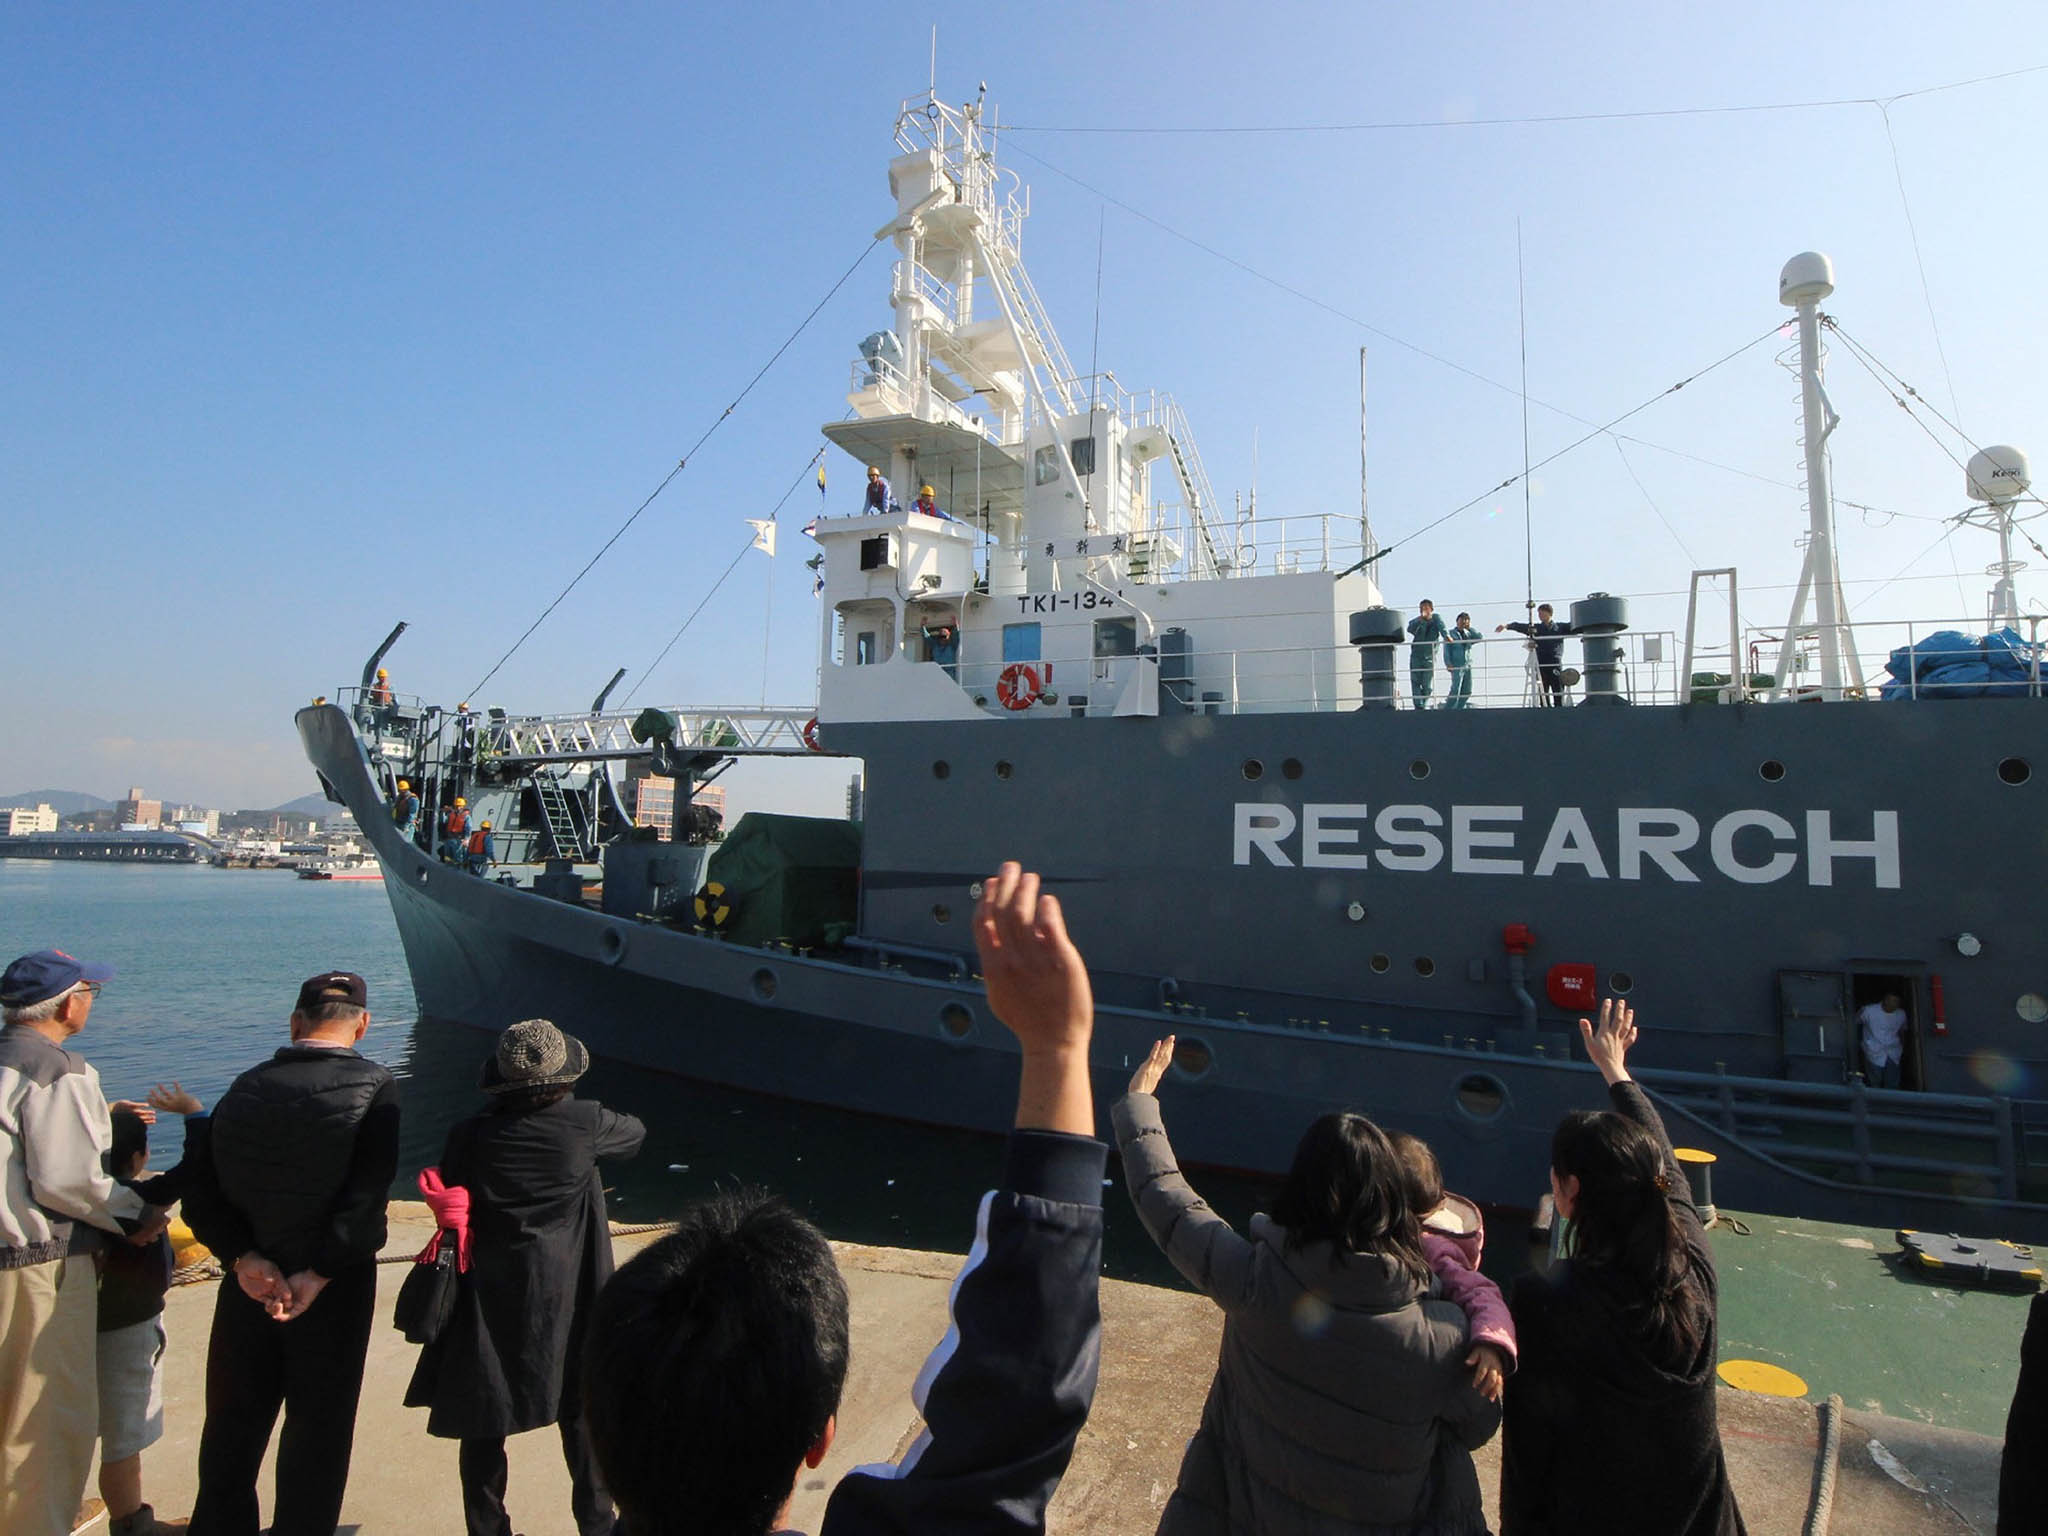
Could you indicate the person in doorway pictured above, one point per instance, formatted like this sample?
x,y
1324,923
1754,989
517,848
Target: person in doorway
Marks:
x,y
942,645
536,1250
1424,630
454,831
880,498
480,853
56,1199
301,1152
1547,635
405,809
1884,1040
1458,661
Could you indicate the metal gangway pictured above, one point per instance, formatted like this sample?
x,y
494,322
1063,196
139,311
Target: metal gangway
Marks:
x,y
538,740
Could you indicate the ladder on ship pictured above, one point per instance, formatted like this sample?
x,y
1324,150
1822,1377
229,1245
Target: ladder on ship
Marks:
x,y
559,817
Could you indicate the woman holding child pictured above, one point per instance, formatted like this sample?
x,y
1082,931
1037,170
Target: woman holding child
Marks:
x,y
1345,1395
1610,1419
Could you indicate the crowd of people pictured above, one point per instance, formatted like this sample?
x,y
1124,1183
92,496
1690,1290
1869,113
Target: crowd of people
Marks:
x,y
1364,1358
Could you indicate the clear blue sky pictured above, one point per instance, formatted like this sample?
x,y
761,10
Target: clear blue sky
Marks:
x,y
319,321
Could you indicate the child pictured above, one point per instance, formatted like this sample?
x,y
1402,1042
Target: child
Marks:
x,y
133,1281
1453,1236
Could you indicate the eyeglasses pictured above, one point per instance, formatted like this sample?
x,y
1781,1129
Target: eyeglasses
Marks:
x,y
93,988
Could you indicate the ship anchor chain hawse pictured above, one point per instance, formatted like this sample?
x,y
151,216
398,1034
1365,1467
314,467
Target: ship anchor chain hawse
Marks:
x,y
1189,720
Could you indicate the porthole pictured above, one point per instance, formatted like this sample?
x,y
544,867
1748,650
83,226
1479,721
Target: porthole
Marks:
x,y
1291,769
941,913
956,1020
2015,770
763,984
941,769
1482,1096
1770,770
1620,983
2033,1007
1253,768
1419,769
1193,1057
1424,966
611,946
1003,770
1380,963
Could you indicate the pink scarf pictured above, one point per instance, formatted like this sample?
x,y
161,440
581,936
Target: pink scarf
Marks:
x,y
450,1205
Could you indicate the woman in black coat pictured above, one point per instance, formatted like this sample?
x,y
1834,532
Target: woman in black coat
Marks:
x,y
1610,1422
540,1249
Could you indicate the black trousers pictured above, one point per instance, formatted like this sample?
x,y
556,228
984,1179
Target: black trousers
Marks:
x,y
1551,675
312,1367
2023,1475
482,1463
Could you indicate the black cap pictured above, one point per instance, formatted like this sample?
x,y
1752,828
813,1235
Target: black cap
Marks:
x,y
332,987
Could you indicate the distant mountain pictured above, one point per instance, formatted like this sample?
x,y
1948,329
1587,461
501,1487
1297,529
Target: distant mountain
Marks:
x,y
65,802
310,805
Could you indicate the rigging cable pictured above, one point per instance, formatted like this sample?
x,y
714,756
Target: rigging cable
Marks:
x,y
1913,230
1576,443
648,670
681,464
1539,120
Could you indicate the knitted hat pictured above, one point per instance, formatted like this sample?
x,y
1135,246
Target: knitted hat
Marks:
x,y
534,1054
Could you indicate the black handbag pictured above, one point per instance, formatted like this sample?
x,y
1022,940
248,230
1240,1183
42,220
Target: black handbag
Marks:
x,y
427,1298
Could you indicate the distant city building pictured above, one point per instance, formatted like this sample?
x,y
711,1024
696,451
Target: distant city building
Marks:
x,y
267,824
856,799
195,819
135,814
654,804
21,822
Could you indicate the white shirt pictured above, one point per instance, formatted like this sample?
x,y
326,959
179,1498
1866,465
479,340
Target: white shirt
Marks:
x,y
1881,1032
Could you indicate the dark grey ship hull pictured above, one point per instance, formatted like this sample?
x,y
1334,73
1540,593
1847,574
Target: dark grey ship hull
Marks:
x,y
1292,958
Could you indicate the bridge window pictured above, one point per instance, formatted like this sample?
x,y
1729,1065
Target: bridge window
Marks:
x,y
1045,465
1082,450
1116,637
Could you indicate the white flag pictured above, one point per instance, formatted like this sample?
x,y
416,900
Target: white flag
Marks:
x,y
764,535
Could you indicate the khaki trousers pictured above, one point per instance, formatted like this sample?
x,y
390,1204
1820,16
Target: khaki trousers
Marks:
x,y
49,1403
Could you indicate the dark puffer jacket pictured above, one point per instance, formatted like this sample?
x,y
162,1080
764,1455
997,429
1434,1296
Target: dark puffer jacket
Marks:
x,y
300,1158
1341,1401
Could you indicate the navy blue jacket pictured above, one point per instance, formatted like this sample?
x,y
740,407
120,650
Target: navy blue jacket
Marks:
x,y
1005,1394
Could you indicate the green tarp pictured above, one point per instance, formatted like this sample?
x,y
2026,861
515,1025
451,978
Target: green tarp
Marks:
x,y
786,877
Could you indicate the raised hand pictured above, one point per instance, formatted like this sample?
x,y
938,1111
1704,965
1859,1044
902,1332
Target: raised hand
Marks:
x,y
174,1100
1038,986
1607,1043
1153,1067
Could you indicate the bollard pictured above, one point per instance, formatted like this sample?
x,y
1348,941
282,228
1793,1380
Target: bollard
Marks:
x,y
1699,1174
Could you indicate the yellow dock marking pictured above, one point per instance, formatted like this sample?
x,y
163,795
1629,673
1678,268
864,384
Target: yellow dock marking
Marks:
x,y
1759,1376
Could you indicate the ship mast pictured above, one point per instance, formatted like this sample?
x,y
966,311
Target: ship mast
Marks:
x,y
1807,279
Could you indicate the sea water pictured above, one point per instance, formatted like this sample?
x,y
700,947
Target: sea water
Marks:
x,y
208,965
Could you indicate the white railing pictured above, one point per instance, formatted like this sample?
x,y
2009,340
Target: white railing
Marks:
x,y
1874,643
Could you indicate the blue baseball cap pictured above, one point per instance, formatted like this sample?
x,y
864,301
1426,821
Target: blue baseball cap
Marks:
x,y
43,975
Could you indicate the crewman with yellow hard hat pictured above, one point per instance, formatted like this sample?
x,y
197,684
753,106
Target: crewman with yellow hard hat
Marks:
x,y
928,503
481,853
881,497
405,809
380,695
454,831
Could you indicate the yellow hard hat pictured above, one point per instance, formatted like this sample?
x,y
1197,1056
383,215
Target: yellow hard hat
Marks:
x,y
485,825
382,673
924,490
460,801
872,470
405,784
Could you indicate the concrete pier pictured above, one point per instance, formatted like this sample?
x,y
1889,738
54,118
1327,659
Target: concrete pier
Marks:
x,y
1159,1351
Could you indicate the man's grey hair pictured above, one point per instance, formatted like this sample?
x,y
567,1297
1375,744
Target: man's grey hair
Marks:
x,y
331,1013
39,1013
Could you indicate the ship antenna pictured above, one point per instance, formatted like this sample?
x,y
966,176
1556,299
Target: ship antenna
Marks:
x,y
1528,516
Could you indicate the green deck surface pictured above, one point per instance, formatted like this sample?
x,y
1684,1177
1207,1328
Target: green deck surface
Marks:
x,y
1833,1304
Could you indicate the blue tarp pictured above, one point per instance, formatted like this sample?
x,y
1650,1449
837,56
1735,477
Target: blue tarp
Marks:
x,y
1952,665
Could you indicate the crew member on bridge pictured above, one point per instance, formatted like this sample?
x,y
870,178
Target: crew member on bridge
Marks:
x,y
1425,629
880,499
481,852
1548,637
380,694
1458,660
928,503
405,809
454,829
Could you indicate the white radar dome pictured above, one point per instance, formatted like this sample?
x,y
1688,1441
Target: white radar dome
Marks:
x,y
1808,278
1998,473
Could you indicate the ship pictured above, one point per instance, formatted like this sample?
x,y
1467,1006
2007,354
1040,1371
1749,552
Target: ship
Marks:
x,y
1192,724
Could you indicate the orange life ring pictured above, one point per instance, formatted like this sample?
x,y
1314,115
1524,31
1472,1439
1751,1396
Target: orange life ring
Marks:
x,y
1019,686
811,734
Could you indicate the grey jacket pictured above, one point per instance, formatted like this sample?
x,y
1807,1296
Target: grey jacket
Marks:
x,y
1341,1400
54,1135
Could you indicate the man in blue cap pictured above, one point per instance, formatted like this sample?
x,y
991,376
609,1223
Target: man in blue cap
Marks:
x,y
56,1198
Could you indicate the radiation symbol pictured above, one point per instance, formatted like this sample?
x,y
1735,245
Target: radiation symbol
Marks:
x,y
713,910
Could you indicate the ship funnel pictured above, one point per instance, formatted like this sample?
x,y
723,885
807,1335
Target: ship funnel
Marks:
x,y
1599,620
1376,631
